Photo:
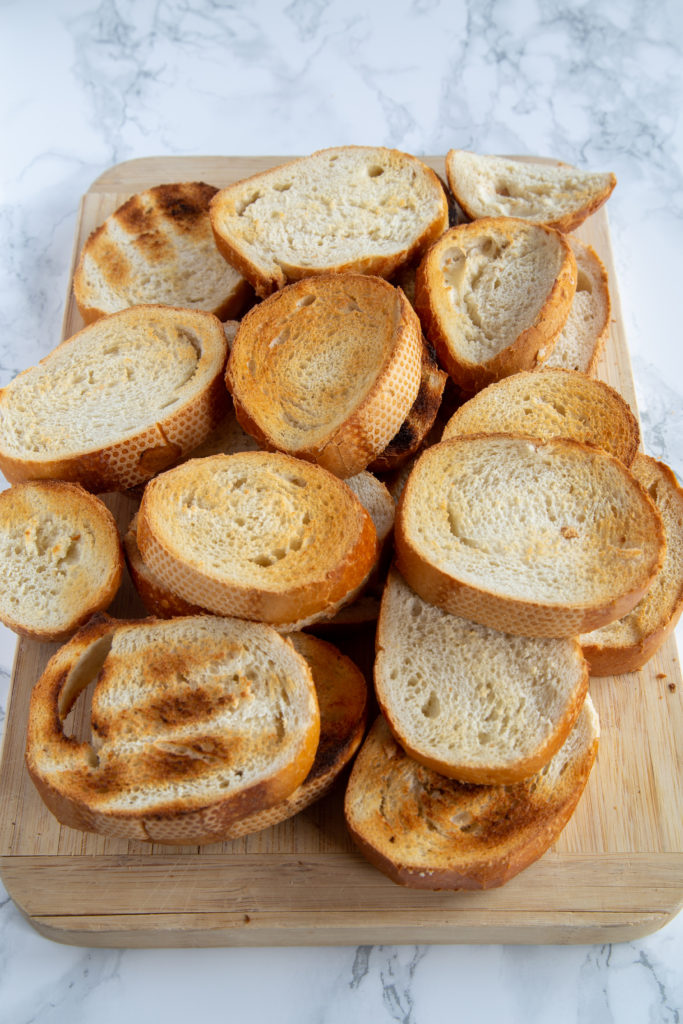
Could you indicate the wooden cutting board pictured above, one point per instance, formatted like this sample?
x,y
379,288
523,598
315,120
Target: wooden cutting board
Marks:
x,y
615,873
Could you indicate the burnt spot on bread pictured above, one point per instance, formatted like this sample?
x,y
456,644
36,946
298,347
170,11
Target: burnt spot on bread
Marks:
x,y
186,205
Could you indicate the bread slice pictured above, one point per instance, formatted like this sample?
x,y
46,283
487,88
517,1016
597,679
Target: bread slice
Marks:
x,y
430,832
158,247
493,296
119,401
538,538
549,403
557,195
258,535
627,644
327,369
471,702
60,558
582,339
350,208
196,722
342,698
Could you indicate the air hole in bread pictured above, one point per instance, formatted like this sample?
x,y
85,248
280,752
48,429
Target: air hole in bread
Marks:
x,y
306,300
432,706
374,171
283,186
583,282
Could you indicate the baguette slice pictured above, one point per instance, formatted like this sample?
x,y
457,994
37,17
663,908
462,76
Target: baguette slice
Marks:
x,y
493,295
426,831
119,401
158,247
627,644
196,722
582,339
471,702
60,557
351,208
529,537
342,698
327,369
557,195
257,535
549,403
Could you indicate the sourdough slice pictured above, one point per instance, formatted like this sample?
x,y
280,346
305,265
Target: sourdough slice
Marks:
x,y
351,208
327,369
342,698
493,296
582,339
196,722
258,535
119,401
471,702
158,247
60,558
627,644
427,831
557,195
538,538
549,403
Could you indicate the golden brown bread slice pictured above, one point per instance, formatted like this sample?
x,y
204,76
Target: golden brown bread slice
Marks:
x,y
158,247
526,536
557,195
586,329
493,295
60,558
627,644
350,208
327,369
196,722
549,403
471,702
119,401
259,535
429,832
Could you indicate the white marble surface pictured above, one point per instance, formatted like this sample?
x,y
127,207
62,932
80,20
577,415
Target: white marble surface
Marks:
x,y
84,85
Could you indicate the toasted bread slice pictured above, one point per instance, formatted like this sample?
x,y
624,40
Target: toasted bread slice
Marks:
x,y
582,339
342,698
557,195
154,594
351,208
427,831
119,401
471,702
627,644
327,369
493,295
527,536
60,558
158,247
196,722
258,535
549,403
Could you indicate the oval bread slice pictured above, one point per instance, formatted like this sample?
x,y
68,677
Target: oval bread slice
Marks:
x,y
529,537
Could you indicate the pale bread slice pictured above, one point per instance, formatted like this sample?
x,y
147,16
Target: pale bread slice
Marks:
x,y
557,195
582,339
471,702
351,208
427,831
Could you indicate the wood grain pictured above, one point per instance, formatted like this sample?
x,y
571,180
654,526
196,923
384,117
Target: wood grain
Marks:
x,y
615,873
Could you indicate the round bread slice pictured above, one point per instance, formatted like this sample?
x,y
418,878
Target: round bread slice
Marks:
x,y
427,831
327,369
258,535
549,403
629,643
342,698
60,557
158,247
471,702
493,295
118,402
530,537
196,722
350,208
582,339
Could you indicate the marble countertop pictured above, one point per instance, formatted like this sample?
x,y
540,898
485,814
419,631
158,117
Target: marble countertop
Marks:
x,y
89,83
